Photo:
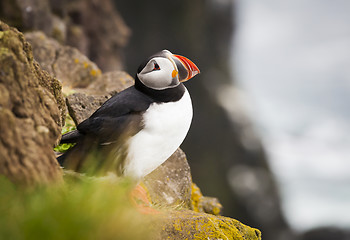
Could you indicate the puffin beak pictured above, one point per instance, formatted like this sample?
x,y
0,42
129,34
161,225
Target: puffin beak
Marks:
x,y
187,69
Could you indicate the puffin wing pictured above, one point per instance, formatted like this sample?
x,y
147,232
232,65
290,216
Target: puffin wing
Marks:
x,y
119,115
71,137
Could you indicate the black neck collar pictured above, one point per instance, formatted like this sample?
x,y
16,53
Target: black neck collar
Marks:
x,y
166,95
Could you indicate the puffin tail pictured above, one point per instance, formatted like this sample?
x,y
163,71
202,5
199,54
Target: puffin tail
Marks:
x,y
61,159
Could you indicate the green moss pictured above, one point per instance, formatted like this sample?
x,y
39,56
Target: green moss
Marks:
x,y
74,210
14,42
69,126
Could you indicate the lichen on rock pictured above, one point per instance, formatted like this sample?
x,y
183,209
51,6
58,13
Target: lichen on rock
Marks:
x,y
200,203
192,225
83,82
65,63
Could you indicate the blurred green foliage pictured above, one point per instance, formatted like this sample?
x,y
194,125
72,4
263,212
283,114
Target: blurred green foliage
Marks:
x,y
72,210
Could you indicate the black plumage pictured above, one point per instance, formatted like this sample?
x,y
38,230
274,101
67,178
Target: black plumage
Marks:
x,y
109,127
116,120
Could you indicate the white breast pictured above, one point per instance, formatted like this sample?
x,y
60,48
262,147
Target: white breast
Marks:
x,y
165,128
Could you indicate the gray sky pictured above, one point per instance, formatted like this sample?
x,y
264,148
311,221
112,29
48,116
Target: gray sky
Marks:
x,y
293,59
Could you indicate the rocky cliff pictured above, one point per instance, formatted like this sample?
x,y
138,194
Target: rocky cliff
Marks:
x,y
31,113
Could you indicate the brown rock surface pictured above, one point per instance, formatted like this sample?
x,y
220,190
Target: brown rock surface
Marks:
x,y
110,83
65,63
29,114
29,14
101,26
170,184
82,105
86,101
94,27
78,75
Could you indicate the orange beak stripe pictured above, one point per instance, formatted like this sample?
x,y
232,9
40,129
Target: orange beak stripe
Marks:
x,y
192,69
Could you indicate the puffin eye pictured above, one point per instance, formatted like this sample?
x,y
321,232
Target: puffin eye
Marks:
x,y
156,66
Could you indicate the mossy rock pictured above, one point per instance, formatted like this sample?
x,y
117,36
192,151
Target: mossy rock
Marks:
x,y
191,225
200,203
31,113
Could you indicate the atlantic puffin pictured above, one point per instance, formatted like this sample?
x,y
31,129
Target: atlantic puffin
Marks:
x,y
139,128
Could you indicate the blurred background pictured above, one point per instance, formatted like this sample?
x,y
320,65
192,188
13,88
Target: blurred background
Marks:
x,y
270,134
292,59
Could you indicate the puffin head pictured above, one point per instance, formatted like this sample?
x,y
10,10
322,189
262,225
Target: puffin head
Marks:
x,y
165,70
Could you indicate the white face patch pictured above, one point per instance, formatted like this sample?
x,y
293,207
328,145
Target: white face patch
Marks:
x,y
158,74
